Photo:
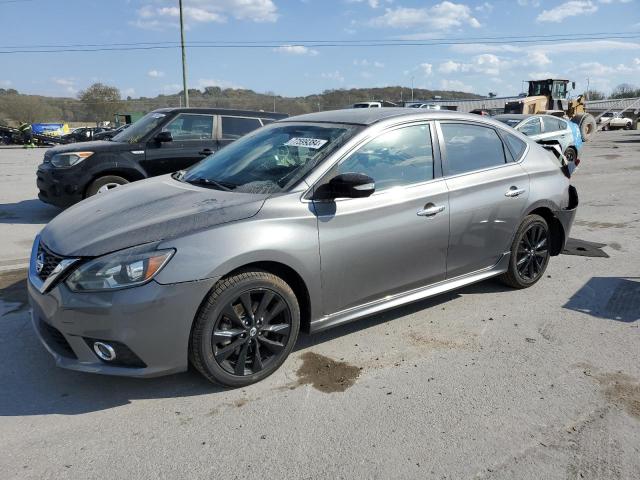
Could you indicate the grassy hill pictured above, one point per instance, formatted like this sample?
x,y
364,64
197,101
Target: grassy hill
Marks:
x,y
16,107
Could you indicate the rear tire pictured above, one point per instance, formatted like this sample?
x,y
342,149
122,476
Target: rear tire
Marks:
x,y
102,184
529,253
586,123
571,154
245,329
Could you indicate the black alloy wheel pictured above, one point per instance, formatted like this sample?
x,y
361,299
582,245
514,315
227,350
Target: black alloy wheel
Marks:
x,y
533,252
251,332
245,328
529,253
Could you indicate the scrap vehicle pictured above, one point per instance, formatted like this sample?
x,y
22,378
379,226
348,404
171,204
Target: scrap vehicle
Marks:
x,y
374,104
163,141
288,229
82,134
545,129
551,97
426,106
616,122
108,134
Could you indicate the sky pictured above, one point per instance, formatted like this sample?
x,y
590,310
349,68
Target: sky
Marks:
x,y
283,64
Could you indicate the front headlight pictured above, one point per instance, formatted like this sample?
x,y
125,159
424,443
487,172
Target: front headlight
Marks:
x,y
127,268
63,160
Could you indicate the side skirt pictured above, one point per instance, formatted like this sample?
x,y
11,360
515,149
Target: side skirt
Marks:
x,y
386,303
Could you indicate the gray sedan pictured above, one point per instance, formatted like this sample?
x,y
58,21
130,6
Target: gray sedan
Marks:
x,y
304,224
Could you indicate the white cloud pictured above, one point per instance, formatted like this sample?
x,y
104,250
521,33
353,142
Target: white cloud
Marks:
x,y
155,73
163,13
368,63
486,64
296,50
537,58
606,2
171,88
456,85
427,69
64,82
129,92
371,3
525,3
5,83
485,8
333,76
212,82
598,69
366,75
442,16
568,9
543,75
558,48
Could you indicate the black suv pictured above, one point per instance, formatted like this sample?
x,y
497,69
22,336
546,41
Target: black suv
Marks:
x,y
163,141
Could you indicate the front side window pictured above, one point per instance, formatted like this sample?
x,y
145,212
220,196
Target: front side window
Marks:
x,y
187,126
471,147
235,127
531,127
395,158
271,159
141,128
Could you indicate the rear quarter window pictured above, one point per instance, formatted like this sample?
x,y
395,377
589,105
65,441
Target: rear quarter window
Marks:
x,y
515,145
236,127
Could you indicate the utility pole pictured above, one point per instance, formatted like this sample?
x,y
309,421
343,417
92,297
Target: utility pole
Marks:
x,y
184,59
412,88
587,92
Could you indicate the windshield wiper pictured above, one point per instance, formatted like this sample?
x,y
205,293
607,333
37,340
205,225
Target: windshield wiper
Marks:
x,y
207,182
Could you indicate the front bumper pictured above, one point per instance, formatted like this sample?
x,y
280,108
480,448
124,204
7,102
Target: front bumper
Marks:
x,y
153,321
59,187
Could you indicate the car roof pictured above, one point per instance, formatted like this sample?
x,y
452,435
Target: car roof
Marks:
x,y
224,111
369,116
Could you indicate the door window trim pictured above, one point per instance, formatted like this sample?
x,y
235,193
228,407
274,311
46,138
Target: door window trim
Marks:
x,y
435,148
507,153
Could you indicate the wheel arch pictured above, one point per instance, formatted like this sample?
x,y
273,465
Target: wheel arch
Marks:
x,y
130,174
545,210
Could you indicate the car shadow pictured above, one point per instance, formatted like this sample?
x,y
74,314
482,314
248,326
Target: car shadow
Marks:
x,y
33,385
27,212
609,298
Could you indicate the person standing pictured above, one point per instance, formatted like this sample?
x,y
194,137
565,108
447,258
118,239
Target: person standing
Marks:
x,y
27,135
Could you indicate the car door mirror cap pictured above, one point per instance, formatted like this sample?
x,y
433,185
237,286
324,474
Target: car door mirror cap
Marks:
x,y
346,185
163,137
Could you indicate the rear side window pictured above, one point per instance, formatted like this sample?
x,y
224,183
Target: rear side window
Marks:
x,y
235,127
187,126
532,127
471,147
516,145
553,124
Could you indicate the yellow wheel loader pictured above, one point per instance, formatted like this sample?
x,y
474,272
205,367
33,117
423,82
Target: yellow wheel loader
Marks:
x,y
550,96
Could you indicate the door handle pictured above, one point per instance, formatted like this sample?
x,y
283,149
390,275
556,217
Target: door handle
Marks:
x,y
206,152
430,210
514,192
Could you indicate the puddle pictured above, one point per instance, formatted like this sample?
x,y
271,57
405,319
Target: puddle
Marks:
x,y
326,374
621,390
13,291
584,248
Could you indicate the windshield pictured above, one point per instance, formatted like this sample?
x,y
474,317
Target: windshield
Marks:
x,y
512,122
270,159
138,130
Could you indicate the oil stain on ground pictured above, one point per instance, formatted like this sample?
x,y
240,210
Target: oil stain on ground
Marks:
x,y
325,374
13,291
621,390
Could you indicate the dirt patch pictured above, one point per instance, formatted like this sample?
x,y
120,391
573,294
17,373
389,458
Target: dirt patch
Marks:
x,y
633,169
621,390
13,291
427,341
611,156
584,223
615,246
326,374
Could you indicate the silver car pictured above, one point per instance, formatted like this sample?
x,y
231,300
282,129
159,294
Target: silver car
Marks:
x,y
304,224
544,128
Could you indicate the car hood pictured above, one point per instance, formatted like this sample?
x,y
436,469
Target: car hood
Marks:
x,y
146,211
95,146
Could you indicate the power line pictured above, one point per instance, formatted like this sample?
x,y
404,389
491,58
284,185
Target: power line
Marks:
x,y
319,44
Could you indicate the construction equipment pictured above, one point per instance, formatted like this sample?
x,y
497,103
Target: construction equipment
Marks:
x,y
551,97
14,135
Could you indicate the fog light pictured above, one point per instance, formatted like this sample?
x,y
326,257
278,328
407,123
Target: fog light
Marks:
x,y
104,351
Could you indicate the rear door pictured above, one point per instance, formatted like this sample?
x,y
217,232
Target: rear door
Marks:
x,y
385,244
193,139
488,193
556,129
234,127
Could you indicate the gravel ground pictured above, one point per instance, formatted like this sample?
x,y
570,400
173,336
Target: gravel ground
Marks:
x,y
485,382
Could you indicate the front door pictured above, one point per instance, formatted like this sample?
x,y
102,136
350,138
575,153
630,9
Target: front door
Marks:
x,y
487,196
193,139
394,240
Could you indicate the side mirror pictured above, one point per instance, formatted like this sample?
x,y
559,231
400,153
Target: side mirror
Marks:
x,y
163,137
346,185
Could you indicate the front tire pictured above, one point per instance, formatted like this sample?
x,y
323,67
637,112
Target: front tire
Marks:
x,y
104,184
529,253
245,329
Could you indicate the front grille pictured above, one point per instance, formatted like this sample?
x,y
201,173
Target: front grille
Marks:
x,y
49,262
55,339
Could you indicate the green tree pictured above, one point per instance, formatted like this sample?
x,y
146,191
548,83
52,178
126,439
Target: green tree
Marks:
x,y
101,101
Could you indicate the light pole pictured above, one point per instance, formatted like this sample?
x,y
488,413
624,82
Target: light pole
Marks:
x,y
412,88
184,59
587,92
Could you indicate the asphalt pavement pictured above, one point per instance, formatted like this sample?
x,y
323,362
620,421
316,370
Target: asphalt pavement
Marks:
x,y
483,383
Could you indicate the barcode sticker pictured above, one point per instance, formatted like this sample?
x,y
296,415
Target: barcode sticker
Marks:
x,y
314,143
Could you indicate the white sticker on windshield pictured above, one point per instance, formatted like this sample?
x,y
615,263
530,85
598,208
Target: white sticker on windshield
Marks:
x,y
158,115
314,143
